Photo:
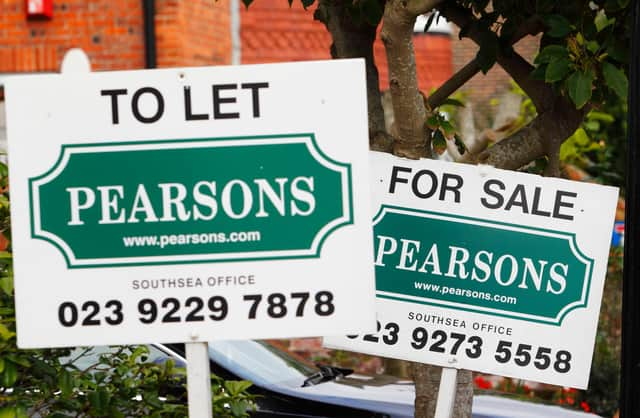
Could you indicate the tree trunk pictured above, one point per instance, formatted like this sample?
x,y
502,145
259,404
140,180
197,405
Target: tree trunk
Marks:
x,y
413,141
351,40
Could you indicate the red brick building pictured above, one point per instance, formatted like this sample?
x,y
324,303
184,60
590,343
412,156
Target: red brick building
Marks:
x,y
135,34
118,34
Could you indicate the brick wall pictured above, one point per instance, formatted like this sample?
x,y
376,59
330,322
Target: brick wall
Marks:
x,y
272,32
109,31
193,32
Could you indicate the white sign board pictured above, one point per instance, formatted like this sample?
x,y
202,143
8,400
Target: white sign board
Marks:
x,y
488,270
190,204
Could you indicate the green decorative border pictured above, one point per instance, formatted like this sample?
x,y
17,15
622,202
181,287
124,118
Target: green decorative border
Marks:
x,y
346,183
570,237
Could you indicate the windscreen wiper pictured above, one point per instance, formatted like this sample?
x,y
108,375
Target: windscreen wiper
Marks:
x,y
325,374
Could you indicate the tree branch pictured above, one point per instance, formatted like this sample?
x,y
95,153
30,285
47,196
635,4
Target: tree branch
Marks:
x,y
542,136
453,83
517,150
518,68
531,27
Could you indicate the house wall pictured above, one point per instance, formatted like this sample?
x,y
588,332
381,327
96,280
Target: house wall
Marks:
x,y
111,32
271,31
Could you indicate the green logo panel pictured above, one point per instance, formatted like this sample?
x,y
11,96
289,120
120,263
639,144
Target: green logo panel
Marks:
x,y
219,199
481,266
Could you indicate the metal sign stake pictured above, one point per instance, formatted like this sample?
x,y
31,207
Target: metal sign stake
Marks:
x,y
446,393
630,359
198,380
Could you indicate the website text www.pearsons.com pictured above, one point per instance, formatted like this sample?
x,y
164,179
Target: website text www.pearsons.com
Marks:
x,y
473,294
163,241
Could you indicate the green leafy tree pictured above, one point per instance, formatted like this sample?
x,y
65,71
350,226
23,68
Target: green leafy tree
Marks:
x,y
65,383
581,66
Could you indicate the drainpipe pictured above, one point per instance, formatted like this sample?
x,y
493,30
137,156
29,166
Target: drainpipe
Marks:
x,y
148,16
236,57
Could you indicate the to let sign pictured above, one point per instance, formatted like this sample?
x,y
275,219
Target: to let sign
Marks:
x,y
488,270
190,204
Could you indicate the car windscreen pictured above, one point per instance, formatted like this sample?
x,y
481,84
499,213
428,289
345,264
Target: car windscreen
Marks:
x,y
85,358
259,362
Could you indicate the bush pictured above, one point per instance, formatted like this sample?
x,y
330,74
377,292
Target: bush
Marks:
x,y
119,382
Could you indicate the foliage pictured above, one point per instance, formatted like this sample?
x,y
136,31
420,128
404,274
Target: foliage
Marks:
x,y
584,47
121,382
585,57
597,146
442,131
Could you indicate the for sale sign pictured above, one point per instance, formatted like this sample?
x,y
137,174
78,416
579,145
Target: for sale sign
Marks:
x,y
488,270
190,204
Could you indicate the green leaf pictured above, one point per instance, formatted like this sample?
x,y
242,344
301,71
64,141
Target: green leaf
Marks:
x,y
615,79
601,116
601,21
13,412
567,149
539,72
18,359
306,3
557,70
488,53
593,46
579,85
236,387
5,334
433,121
581,137
619,51
438,142
66,382
6,284
551,52
453,102
559,26
151,397
247,3
9,374
592,125
460,145
447,129
99,401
